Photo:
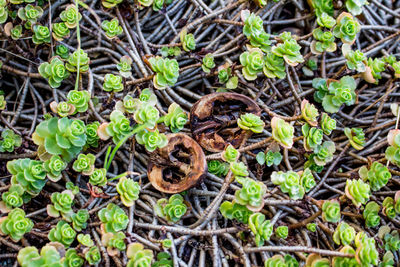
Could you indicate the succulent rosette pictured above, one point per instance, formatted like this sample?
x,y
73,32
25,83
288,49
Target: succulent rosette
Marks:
x,y
252,62
261,228
282,132
176,118
344,234
15,224
331,211
235,211
111,27
172,209
378,175
251,122
113,218
346,28
62,233
128,191
251,195
55,72
167,71
357,191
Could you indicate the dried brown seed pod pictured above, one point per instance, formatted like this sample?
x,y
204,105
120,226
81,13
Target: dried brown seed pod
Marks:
x,y
178,166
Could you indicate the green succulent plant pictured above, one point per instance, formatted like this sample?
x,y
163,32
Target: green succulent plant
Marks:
x,y
208,63
373,70
125,66
271,158
98,177
84,164
327,124
217,167
346,28
307,180
15,224
322,6
49,256
79,219
55,72
170,51
253,29
225,76
73,188
13,198
331,211
321,89
3,11
80,100
71,16
60,31
235,211
325,20
72,62
312,137
91,133
117,128
62,51
29,13
61,205
16,31
163,260
230,154
261,228
356,137
312,227
151,139
282,231
343,261
355,6
9,141
138,256
366,253
62,109
355,60
114,242
323,153
387,260
112,83
252,62
289,49
370,214
166,243
309,113
85,240
324,42
129,104
92,254
53,167
274,66
114,218
62,233
282,132
388,206
392,241
251,122
176,118
41,34
239,170
167,71
357,191
188,41
251,194
111,28
340,92
392,153
172,209
378,175
30,174
128,191
72,259
344,234
275,261
289,182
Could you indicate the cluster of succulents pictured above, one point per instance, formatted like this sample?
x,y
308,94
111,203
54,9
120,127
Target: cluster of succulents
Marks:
x,y
334,94
113,218
293,183
331,211
55,72
253,29
171,209
167,71
9,141
49,256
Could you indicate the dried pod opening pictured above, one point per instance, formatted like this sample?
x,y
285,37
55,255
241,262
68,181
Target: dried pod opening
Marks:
x,y
178,166
213,119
